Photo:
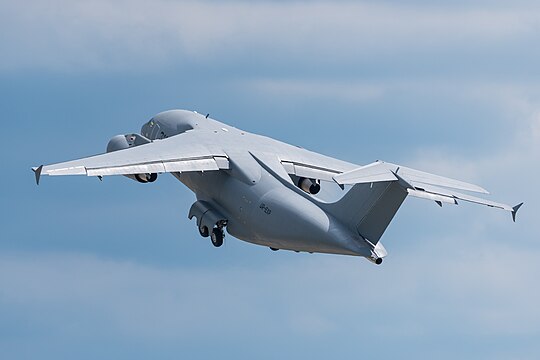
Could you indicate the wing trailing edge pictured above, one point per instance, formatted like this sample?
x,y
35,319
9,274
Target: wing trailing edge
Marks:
x,y
211,163
181,153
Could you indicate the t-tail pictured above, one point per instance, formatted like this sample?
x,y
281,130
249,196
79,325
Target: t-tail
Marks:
x,y
379,190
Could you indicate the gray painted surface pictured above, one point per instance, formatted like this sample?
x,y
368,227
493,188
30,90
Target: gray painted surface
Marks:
x,y
249,185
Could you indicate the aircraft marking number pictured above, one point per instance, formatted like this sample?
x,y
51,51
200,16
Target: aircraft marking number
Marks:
x,y
265,208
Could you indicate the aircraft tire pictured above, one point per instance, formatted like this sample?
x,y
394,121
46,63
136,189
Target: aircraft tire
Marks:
x,y
203,230
217,237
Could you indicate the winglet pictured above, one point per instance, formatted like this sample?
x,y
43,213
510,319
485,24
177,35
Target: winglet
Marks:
x,y
37,172
515,210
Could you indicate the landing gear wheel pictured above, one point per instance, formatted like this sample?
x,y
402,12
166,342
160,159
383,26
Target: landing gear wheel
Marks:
x,y
203,230
217,237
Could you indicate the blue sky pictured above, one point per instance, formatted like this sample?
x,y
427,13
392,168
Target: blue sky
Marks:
x,y
116,270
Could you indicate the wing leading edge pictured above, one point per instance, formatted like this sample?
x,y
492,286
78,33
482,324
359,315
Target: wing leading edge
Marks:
x,y
181,153
420,184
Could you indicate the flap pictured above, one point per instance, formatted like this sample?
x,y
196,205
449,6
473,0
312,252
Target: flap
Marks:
x,y
181,153
309,171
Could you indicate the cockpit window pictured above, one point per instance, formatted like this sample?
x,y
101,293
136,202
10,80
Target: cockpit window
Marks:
x,y
148,128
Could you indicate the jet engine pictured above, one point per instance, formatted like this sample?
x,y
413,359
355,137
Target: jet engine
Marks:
x,y
121,142
311,186
376,260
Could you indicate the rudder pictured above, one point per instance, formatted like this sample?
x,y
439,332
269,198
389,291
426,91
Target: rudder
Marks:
x,y
369,208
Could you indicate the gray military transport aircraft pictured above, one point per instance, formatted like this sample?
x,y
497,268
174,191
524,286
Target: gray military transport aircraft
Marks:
x,y
263,191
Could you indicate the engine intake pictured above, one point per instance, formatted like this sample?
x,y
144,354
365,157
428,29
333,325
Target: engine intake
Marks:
x,y
145,178
311,186
376,260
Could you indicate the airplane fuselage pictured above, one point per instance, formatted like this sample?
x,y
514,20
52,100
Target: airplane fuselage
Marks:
x,y
257,197
264,191
270,214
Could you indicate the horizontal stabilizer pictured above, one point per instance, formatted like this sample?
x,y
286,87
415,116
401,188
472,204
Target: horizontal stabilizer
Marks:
x,y
375,172
432,196
459,196
381,171
420,184
415,176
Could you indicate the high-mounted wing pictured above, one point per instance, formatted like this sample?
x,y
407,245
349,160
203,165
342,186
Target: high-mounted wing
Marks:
x,y
309,170
308,164
181,153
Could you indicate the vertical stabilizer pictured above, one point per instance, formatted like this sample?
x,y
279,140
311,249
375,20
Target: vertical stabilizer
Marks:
x,y
369,208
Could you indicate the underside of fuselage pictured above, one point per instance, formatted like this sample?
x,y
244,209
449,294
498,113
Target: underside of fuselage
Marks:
x,y
264,212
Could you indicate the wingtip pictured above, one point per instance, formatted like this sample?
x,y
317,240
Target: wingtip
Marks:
x,y
37,173
515,210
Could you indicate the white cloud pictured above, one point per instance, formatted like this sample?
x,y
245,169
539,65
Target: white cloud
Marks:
x,y
486,292
116,35
518,104
476,280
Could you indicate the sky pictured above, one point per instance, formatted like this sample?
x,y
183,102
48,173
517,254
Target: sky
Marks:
x,y
114,269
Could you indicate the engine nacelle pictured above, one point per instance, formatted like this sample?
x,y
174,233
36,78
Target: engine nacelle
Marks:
x,y
377,254
311,186
375,259
143,178
118,142
122,142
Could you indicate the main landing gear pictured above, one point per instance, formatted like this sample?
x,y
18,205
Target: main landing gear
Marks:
x,y
203,230
216,236
209,221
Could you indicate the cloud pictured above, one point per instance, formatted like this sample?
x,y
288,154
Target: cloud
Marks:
x,y
104,35
481,292
452,277
457,278
517,105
